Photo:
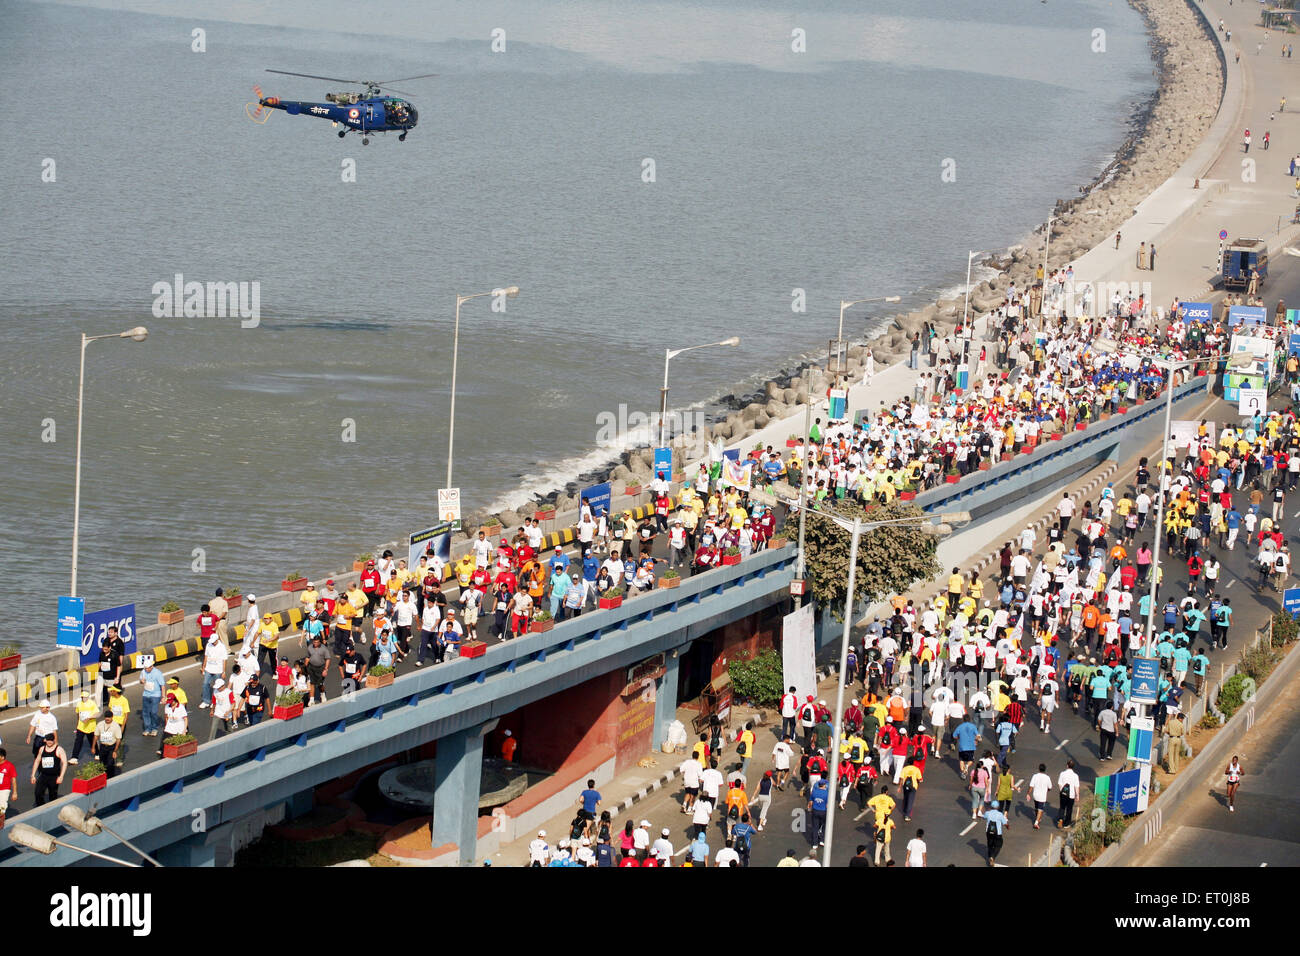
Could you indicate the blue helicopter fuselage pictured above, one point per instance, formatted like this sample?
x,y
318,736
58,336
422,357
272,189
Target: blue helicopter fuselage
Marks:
x,y
371,115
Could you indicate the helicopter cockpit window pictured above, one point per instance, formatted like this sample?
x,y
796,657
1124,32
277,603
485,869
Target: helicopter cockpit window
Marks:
x,y
396,111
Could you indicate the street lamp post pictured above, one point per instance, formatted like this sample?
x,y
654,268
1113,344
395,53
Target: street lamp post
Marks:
x,y
509,291
1236,361
138,334
669,355
807,429
839,338
856,527
73,816
965,309
1047,245
31,838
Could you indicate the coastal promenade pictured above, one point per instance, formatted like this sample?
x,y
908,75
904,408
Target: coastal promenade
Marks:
x,y
1245,194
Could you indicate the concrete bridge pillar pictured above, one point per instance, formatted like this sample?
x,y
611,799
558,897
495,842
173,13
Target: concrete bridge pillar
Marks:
x,y
666,696
458,769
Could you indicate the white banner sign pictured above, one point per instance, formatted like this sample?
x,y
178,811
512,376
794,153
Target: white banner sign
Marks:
x,y
798,657
449,505
1184,432
1252,401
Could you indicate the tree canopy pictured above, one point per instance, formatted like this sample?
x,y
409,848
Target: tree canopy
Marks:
x,y
890,559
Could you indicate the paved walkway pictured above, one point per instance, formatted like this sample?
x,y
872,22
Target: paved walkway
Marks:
x,y
1246,194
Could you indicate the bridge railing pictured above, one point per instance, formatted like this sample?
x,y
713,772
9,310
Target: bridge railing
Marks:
x,y
458,692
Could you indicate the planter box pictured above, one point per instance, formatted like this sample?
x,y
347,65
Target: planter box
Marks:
x,y
91,785
471,649
791,443
777,541
958,391
1007,456
287,713
297,584
184,750
606,603
1104,416
234,602
9,663
383,680
1057,436
491,530
541,627
666,583
731,559
1200,372
168,618
1122,409
679,477
952,479
544,514
1139,401
632,490
985,465
1080,426
906,495
358,566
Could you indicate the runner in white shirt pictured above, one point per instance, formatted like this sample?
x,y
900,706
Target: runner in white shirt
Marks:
x,y
916,850
727,856
1039,786
690,771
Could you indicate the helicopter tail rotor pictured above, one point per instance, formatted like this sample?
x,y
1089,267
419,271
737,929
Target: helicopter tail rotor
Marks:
x,y
257,112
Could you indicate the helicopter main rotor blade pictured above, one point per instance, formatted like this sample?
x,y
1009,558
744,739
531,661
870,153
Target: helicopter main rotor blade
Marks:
x,y
389,89
312,76
403,79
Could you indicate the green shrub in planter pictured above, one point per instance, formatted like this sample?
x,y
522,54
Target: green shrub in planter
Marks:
x,y
615,592
179,740
232,592
732,552
670,573
288,698
1285,629
380,670
90,770
546,615
171,607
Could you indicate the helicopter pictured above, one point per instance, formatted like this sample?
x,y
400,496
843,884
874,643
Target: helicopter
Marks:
x,y
364,113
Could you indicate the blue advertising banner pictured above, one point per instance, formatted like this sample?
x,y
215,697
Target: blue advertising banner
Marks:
x,y
598,496
732,453
96,627
1197,311
1146,680
432,541
664,463
71,612
1247,315
1293,344
1291,601
1125,792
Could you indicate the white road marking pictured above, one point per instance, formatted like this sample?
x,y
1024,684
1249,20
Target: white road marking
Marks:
x,y
1062,744
969,827
1230,584
1263,864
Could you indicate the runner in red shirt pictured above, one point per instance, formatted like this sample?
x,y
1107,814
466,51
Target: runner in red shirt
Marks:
x,y
8,783
370,587
207,624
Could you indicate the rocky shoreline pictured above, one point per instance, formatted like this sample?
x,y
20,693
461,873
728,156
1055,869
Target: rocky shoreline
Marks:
x,y
1167,128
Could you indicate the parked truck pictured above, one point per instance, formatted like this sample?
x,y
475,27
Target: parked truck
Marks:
x,y
1240,258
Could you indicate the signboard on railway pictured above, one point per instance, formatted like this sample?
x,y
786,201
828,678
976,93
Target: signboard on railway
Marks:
x,y
1197,311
